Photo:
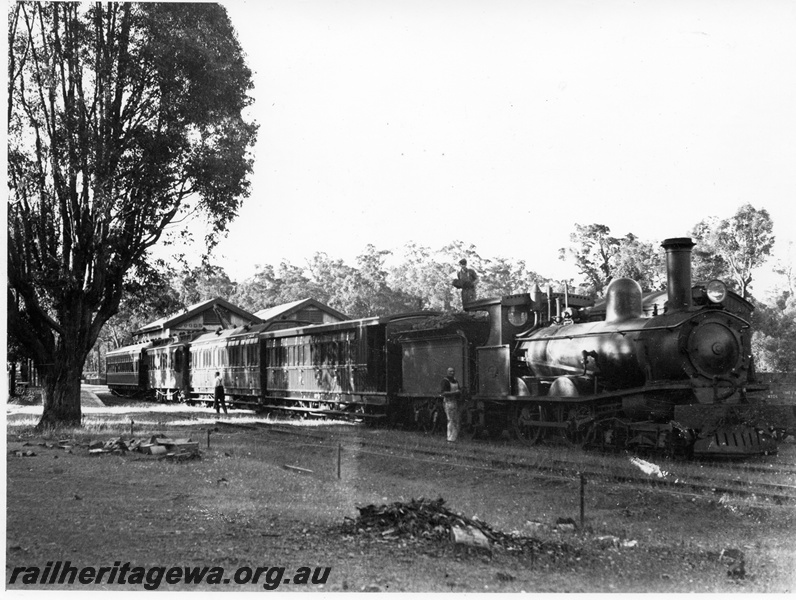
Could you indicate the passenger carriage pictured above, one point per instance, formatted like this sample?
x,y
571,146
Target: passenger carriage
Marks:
x,y
127,370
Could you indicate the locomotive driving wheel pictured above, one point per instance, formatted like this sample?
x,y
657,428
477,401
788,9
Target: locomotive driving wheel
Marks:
x,y
429,416
574,419
577,419
524,418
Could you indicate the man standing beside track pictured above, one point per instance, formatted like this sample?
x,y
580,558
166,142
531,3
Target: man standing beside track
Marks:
x,y
451,394
218,394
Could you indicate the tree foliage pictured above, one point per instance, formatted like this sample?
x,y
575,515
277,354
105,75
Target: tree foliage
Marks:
x,y
120,116
419,278
149,290
732,248
601,257
194,285
774,338
641,261
424,278
593,249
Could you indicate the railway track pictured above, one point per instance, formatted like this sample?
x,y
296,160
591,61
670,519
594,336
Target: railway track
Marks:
x,y
715,481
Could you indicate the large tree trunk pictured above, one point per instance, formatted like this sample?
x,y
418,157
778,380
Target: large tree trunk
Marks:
x,y
12,380
61,379
61,397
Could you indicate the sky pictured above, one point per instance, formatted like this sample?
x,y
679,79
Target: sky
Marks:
x,y
503,123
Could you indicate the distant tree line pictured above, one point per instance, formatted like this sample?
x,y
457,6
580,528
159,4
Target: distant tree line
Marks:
x,y
419,278
380,282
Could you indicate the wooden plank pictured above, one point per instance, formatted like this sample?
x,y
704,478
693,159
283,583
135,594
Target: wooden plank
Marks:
x,y
296,469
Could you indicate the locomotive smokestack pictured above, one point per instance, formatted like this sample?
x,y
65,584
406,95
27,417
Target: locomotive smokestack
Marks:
x,y
678,272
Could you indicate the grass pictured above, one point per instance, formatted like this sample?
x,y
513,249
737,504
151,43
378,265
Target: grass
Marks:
x,y
184,421
239,506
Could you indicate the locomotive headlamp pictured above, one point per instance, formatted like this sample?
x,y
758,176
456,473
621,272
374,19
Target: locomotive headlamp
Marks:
x,y
518,316
716,291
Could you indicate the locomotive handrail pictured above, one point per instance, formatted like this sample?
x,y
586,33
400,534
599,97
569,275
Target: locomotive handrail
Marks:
x,y
669,327
403,338
536,324
592,334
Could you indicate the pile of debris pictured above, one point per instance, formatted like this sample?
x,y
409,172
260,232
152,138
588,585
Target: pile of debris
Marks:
x,y
430,520
156,445
418,518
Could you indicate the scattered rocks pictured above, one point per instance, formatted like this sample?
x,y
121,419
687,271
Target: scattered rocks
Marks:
x,y
534,525
157,445
607,541
470,537
20,453
565,524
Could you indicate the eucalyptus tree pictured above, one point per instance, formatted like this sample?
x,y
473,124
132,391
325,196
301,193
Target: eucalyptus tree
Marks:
x,y
594,250
120,116
738,245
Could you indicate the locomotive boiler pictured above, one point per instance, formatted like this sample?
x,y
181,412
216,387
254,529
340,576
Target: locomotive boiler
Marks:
x,y
667,380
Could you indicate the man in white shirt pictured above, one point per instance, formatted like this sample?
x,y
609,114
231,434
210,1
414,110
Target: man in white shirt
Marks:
x,y
218,394
451,394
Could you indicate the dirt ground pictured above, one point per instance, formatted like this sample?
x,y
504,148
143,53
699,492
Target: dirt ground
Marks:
x,y
242,507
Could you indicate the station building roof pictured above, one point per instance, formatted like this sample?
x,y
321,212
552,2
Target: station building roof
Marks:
x,y
299,312
206,315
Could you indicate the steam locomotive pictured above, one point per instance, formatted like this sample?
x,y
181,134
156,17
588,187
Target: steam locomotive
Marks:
x,y
667,372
